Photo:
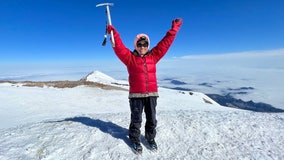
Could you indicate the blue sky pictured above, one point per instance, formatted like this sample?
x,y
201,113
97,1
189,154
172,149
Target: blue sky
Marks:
x,y
37,31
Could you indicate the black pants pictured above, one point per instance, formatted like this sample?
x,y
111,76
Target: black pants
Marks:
x,y
136,106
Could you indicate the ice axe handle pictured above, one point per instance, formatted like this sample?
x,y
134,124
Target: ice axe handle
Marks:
x,y
112,39
109,22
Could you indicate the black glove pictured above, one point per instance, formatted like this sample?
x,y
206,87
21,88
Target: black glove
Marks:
x,y
176,24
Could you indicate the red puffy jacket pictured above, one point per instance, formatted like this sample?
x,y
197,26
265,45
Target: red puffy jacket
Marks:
x,y
142,70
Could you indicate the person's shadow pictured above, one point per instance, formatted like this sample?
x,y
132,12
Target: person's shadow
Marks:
x,y
114,130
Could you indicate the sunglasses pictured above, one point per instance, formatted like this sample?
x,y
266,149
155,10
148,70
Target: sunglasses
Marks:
x,y
142,44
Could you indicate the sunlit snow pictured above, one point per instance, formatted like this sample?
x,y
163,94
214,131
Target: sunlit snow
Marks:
x,y
92,123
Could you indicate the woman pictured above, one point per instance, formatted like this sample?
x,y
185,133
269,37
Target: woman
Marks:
x,y
143,92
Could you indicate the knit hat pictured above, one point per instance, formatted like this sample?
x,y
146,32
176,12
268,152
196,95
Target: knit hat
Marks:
x,y
141,37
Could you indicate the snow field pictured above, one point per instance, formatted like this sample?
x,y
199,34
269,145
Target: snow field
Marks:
x,y
182,134
90,123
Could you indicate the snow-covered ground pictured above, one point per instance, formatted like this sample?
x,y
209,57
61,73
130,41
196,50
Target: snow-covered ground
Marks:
x,y
91,123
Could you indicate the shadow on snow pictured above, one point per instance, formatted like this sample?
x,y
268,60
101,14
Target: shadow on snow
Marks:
x,y
110,128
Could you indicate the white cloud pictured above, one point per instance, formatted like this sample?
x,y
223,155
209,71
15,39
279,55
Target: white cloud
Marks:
x,y
262,70
245,54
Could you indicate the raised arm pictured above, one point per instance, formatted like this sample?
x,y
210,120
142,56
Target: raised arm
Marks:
x,y
162,47
120,50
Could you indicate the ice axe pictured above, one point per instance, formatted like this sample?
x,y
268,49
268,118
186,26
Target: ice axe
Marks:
x,y
109,21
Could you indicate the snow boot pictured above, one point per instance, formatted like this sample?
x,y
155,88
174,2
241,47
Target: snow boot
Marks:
x,y
152,145
137,148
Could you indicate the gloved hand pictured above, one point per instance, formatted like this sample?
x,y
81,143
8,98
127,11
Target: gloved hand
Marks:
x,y
176,24
110,28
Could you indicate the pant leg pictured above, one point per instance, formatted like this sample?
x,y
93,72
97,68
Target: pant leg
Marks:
x,y
136,107
151,121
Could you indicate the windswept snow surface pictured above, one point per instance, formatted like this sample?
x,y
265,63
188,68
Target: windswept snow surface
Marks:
x,y
92,123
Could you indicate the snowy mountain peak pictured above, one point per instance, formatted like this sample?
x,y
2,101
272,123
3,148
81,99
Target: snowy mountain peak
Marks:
x,y
99,77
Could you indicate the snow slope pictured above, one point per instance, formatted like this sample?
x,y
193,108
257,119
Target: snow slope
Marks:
x,y
91,123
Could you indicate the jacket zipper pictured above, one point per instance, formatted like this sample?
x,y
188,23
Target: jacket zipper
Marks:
x,y
146,74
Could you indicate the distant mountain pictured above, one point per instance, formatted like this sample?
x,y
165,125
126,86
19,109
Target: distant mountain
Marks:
x,y
230,101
